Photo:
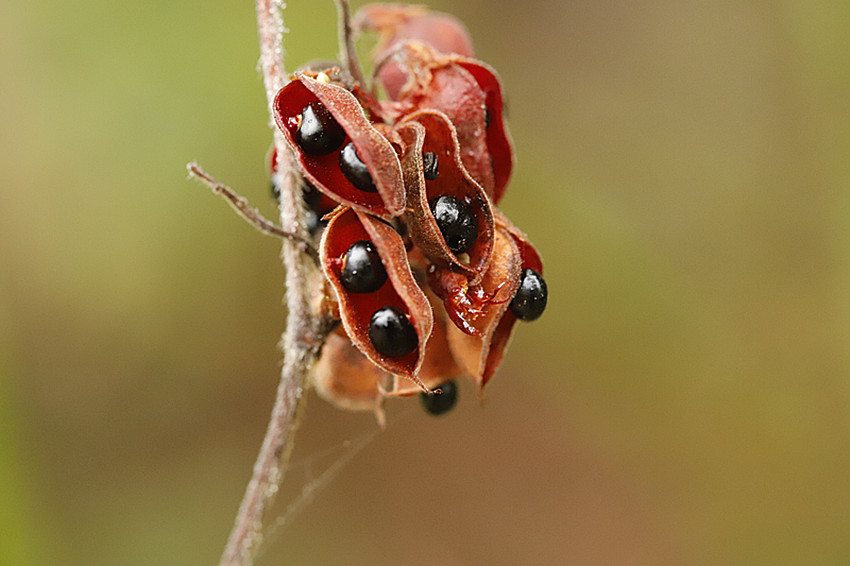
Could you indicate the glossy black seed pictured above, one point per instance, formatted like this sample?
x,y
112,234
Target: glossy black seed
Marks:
x,y
456,221
430,163
275,191
362,271
530,299
319,133
487,118
391,333
443,402
355,170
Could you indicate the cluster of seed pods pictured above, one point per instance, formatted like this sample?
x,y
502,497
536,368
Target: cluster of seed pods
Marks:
x,y
429,275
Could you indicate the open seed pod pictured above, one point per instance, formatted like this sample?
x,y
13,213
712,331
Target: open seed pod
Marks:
x,y
340,151
480,355
436,82
449,216
346,378
383,310
397,23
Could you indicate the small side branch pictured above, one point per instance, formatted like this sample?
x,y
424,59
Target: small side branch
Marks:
x,y
251,215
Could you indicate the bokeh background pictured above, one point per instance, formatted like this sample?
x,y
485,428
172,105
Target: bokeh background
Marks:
x,y
682,166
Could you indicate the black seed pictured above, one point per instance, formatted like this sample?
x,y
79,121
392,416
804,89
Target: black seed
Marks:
x,y
275,191
530,299
443,402
363,271
391,333
312,197
456,221
313,215
355,170
487,118
319,133
430,162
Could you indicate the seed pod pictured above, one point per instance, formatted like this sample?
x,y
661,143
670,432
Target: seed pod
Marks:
x,y
480,355
398,23
399,292
346,378
432,132
438,82
489,354
296,103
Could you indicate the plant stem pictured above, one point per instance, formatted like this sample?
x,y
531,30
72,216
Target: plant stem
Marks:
x,y
306,326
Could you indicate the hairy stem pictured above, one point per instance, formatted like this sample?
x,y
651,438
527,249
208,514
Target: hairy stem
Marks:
x,y
306,326
251,215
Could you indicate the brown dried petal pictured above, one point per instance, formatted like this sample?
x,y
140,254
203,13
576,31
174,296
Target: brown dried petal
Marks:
x,y
323,171
346,378
346,227
431,131
480,355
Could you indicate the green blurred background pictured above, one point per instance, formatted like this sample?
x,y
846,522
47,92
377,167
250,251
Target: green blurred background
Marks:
x,y
683,167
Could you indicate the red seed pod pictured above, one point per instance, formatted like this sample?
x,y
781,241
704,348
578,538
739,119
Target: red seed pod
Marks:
x,y
502,335
480,355
346,378
470,94
437,82
462,240
377,311
398,23
373,164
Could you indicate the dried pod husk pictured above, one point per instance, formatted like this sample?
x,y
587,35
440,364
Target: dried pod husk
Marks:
x,y
430,131
323,171
398,23
346,378
530,257
480,355
347,226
